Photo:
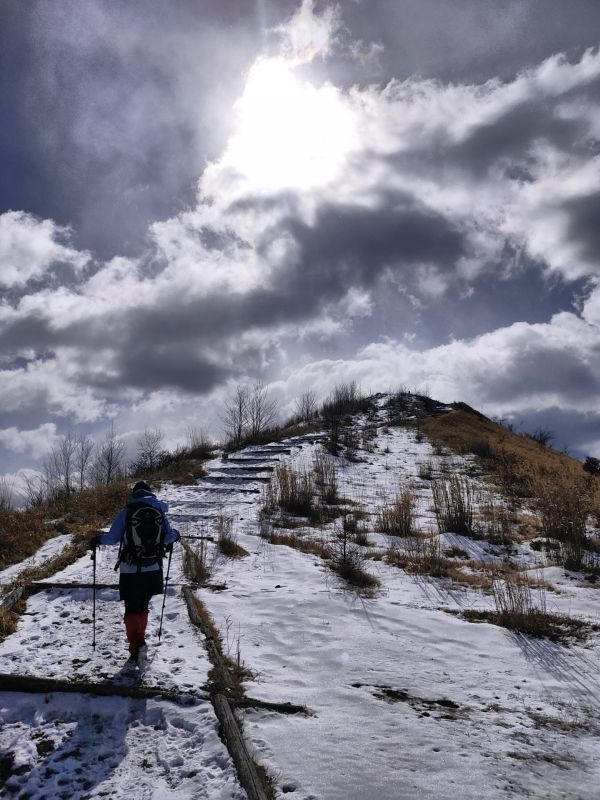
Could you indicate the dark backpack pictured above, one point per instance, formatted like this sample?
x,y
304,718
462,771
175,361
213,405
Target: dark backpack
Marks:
x,y
144,538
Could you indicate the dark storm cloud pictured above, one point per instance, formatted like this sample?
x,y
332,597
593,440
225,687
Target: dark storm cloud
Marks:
x,y
511,136
569,429
461,41
584,224
540,369
110,111
146,367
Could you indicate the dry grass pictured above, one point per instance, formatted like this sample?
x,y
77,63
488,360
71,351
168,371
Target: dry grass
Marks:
x,y
238,672
227,540
298,542
508,456
424,555
565,504
425,470
343,559
351,570
290,490
23,532
453,501
398,519
325,478
195,563
521,610
9,618
181,472
498,521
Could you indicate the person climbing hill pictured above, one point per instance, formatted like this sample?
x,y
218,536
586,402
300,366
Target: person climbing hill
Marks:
x,y
143,532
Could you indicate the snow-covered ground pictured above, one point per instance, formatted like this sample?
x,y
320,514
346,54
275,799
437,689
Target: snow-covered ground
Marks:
x,y
49,549
404,698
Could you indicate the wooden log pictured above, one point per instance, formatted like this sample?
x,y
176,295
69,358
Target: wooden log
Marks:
x,y
214,653
36,685
279,708
245,766
255,785
12,598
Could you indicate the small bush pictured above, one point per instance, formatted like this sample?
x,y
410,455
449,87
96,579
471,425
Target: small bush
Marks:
x,y
361,538
227,541
425,470
398,519
325,478
347,560
195,564
498,522
295,540
592,465
346,399
517,610
564,504
424,556
290,490
453,501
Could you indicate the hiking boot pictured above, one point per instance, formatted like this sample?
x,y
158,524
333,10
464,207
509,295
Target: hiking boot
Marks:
x,y
133,658
141,655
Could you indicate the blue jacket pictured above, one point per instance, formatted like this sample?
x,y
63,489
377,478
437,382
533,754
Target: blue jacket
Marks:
x,y
117,529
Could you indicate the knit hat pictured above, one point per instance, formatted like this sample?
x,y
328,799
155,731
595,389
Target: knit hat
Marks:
x,y
141,486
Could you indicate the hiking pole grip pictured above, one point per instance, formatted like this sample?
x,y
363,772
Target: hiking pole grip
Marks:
x,y
165,593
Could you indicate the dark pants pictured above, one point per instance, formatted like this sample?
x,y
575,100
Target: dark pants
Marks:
x,y
136,589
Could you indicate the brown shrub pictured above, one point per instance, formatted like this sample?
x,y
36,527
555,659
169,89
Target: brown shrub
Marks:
x,y
453,501
195,564
398,519
227,541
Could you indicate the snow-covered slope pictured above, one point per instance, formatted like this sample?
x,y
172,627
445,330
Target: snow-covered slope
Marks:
x,y
404,698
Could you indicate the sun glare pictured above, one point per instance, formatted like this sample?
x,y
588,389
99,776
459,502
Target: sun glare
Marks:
x,y
290,134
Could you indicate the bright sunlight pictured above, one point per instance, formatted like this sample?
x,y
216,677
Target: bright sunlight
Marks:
x,y
290,135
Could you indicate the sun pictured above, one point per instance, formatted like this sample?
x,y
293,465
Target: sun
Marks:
x,y
290,134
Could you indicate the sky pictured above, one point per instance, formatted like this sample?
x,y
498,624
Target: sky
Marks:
x,y
196,195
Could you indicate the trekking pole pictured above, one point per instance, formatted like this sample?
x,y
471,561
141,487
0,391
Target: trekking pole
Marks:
x,y
94,598
165,594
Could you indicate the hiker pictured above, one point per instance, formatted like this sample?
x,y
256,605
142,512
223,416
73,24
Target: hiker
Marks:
x,y
144,534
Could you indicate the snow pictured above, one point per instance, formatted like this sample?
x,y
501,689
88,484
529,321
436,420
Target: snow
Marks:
x,y
404,697
75,746
49,549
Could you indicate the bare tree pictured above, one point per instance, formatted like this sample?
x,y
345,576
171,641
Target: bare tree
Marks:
x,y
262,410
84,449
7,494
109,462
65,460
34,489
149,451
306,406
52,476
235,415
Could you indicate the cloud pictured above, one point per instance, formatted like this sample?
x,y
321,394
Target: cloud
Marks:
x,y
307,34
441,193
35,443
30,246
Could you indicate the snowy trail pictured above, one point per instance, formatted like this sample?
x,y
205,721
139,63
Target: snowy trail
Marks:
x,y
80,746
406,699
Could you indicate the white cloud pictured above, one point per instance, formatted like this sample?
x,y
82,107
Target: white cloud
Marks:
x,y
29,246
34,442
519,367
308,35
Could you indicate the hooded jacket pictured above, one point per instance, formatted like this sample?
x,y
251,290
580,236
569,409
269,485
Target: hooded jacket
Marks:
x,y
117,530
